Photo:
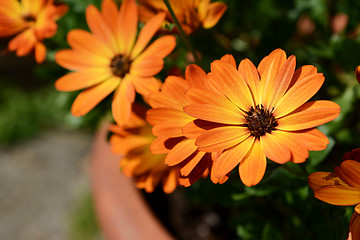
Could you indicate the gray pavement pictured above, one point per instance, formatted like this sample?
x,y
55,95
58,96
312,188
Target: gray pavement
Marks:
x,y
41,180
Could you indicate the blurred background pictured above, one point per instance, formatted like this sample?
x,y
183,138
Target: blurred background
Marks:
x,y
44,150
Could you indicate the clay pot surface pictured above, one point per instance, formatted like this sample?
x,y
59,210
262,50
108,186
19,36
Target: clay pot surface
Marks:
x,y
121,210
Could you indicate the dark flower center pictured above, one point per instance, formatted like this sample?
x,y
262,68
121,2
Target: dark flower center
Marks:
x,y
29,18
260,121
120,65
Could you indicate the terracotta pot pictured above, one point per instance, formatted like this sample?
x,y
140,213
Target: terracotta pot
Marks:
x,y
122,212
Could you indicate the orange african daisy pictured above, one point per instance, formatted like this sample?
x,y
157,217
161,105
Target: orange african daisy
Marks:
x,y
191,14
133,141
341,188
113,58
32,21
169,119
260,112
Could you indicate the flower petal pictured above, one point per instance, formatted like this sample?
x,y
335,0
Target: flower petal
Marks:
x,y
176,88
160,48
40,52
338,195
146,86
297,148
171,181
146,67
23,43
232,84
169,129
180,152
215,12
268,70
186,170
214,113
100,28
252,78
354,227
282,81
158,146
196,127
353,155
313,139
218,107
275,147
195,76
301,92
74,60
146,33
302,73
231,157
228,58
109,12
309,115
157,116
124,96
90,97
159,99
253,165
322,179
84,41
349,172
83,79
127,23
221,138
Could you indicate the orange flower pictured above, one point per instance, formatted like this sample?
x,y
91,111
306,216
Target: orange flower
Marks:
x,y
168,118
191,14
33,21
133,142
354,227
341,188
260,112
357,73
112,59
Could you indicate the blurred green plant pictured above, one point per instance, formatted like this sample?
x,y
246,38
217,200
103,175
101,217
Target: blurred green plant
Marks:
x,y
83,223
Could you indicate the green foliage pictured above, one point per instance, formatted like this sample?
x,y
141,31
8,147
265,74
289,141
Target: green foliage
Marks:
x,y
83,223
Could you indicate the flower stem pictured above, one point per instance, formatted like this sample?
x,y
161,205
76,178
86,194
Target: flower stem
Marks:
x,y
182,33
